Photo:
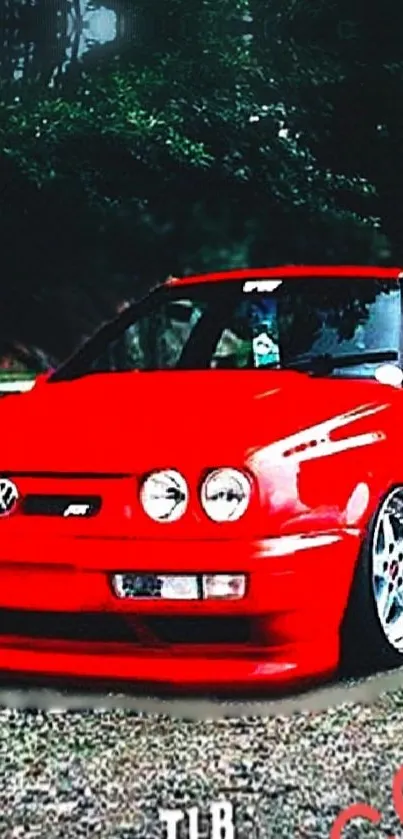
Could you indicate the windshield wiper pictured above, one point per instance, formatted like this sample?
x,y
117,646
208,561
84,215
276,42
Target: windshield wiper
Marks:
x,y
321,365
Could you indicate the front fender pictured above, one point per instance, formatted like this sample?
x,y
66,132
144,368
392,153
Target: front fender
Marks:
x,y
330,476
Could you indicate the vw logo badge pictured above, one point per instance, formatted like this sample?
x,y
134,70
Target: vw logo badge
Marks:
x,y
8,496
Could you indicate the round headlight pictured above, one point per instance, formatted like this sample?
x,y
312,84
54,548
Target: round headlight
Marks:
x,y
225,494
164,495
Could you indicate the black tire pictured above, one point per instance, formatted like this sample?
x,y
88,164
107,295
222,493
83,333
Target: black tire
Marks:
x,y
364,644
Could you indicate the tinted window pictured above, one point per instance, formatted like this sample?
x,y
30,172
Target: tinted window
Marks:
x,y
221,325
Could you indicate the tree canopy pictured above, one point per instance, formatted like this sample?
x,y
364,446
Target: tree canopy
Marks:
x,y
204,136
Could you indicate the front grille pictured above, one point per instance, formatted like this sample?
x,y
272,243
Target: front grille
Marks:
x,y
80,506
112,628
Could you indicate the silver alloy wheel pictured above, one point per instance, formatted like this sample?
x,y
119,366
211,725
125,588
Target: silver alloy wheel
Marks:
x,y
387,567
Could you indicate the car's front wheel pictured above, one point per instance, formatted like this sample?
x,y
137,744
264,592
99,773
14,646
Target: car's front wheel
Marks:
x,y
372,631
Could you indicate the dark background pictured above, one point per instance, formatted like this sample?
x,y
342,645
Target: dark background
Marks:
x,y
142,138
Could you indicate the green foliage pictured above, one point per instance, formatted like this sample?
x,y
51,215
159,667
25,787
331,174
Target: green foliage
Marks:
x,y
204,149
209,103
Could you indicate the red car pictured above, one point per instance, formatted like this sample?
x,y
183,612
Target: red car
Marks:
x,y
210,491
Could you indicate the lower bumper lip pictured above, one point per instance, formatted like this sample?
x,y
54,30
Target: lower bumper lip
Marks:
x,y
184,671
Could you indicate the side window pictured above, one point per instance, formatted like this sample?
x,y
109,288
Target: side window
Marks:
x,y
251,339
154,342
232,350
172,330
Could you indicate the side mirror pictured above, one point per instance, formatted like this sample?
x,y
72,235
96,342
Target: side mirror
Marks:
x,y
42,378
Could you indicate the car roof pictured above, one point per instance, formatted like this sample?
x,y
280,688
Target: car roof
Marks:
x,y
291,271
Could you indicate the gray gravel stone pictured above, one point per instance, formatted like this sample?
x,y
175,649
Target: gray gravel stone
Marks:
x,y
69,775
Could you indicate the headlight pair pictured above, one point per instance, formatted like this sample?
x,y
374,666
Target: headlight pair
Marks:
x,y
224,495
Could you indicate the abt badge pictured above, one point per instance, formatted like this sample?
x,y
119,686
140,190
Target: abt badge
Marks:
x,y
9,496
77,510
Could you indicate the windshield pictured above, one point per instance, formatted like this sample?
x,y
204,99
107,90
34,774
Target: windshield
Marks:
x,y
249,326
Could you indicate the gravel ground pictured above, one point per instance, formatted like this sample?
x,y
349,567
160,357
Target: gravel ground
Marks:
x,y
106,773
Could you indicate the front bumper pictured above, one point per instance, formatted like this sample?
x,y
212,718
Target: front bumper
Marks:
x,y
297,591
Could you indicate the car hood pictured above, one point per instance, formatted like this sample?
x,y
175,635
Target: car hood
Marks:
x,y
131,422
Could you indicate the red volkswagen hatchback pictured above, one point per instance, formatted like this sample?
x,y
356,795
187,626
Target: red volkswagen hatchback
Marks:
x,y
210,491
